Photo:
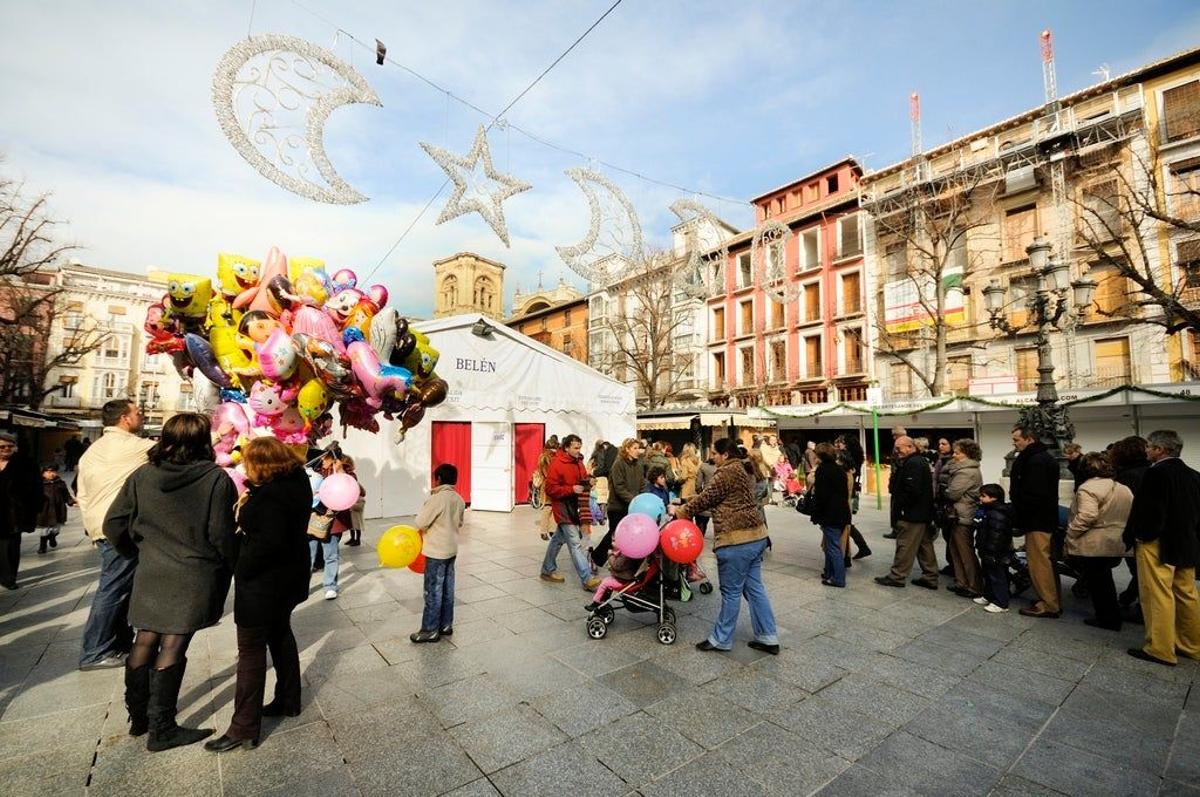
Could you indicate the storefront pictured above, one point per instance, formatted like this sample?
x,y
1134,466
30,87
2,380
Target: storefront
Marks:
x,y
507,394
701,427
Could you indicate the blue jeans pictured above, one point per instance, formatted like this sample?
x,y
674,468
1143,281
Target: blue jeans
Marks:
x,y
739,568
439,594
107,630
995,579
566,533
835,559
329,550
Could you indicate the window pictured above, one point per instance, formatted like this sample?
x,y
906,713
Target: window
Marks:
x,y
1099,214
718,371
107,387
812,301
567,317
853,351
1020,228
1112,294
958,374
810,248
116,309
485,293
597,311
67,389
1027,373
718,327
900,381
148,395
831,184
746,317
1181,111
449,291
780,205
851,293
1183,189
897,260
747,355
812,357
849,236
778,315
811,192
1113,367
745,270
1021,291
779,361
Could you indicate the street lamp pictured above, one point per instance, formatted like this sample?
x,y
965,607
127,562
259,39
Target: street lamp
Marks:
x,y
1048,310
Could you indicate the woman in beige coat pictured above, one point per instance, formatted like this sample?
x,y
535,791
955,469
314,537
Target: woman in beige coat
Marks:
x,y
1098,516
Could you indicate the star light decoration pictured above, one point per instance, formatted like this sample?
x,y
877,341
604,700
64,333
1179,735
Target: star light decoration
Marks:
x,y
272,95
461,169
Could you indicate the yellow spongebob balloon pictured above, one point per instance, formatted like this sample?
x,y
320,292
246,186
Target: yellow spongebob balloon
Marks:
x,y
221,312
424,357
234,352
236,273
188,296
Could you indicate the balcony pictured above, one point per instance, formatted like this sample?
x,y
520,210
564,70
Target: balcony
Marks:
x,y
852,394
1106,376
61,402
813,395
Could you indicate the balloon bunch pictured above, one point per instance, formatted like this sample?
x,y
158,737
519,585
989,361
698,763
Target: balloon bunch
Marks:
x,y
278,343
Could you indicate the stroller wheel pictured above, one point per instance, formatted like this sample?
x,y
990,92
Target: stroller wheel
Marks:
x,y
666,634
606,614
668,615
596,628
705,588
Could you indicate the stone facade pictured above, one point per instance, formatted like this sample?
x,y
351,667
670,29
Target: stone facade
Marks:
x,y
468,283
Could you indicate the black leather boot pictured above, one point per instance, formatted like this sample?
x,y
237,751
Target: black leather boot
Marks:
x,y
164,695
137,697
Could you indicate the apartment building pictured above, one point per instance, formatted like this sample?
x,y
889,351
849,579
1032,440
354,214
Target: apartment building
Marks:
x,y
1067,174
788,324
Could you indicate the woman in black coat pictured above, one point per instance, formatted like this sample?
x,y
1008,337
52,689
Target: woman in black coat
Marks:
x,y
1129,460
829,506
271,578
175,515
20,503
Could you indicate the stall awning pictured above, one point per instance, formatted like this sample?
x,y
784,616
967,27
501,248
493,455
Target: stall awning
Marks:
x,y
706,418
665,422
19,416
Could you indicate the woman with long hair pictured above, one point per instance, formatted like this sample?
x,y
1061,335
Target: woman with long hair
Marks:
x,y
625,481
175,514
851,457
740,540
270,580
689,468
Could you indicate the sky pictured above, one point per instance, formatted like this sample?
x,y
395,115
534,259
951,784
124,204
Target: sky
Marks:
x,y
108,107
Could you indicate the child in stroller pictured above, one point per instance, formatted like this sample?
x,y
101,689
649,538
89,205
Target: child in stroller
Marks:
x,y
644,593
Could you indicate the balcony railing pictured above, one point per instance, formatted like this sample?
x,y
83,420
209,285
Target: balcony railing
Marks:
x,y
1112,376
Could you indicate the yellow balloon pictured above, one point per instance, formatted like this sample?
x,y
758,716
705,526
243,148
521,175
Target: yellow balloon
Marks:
x,y
399,546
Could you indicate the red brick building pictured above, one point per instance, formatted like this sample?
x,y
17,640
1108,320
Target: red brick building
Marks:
x,y
810,348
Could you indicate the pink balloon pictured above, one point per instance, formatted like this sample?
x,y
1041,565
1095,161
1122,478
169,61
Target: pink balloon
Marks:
x,y
637,536
239,479
378,294
365,363
339,492
317,324
345,278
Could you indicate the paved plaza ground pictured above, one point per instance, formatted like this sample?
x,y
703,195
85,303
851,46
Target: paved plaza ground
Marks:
x,y
877,691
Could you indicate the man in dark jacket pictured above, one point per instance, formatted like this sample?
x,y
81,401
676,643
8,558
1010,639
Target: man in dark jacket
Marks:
x,y
912,508
1165,523
1033,491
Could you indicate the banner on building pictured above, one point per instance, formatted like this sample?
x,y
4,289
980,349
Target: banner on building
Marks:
x,y
904,300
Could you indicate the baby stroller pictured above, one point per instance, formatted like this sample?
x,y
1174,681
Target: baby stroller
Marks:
x,y
644,594
793,488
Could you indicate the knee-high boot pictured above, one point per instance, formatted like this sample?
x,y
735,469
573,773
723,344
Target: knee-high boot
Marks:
x,y
137,697
164,697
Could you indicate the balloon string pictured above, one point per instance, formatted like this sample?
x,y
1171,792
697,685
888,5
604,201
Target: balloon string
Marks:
x,y
250,23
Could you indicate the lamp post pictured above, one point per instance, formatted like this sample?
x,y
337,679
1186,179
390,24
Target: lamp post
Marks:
x,y
1057,304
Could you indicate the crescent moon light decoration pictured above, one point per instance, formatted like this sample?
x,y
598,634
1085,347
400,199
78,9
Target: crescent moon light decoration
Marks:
x,y
704,272
768,261
462,171
272,95
593,258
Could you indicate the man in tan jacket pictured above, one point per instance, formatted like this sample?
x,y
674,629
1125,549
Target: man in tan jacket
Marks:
x,y
103,469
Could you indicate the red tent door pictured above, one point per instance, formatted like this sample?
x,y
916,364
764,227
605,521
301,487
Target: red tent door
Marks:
x,y
528,439
452,444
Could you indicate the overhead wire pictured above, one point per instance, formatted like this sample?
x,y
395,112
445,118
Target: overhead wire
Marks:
x,y
494,119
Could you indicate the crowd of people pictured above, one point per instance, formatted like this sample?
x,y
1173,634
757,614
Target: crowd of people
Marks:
x,y
173,535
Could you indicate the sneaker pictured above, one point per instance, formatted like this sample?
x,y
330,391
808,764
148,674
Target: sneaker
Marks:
x,y
994,609
330,594
982,601
107,663
591,584
553,578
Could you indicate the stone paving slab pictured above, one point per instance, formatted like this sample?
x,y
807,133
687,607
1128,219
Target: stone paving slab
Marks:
x,y
876,692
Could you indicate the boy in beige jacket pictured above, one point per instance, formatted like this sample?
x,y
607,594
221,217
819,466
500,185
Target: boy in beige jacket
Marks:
x,y
439,520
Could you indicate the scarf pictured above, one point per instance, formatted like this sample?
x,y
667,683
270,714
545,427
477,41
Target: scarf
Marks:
x,y
584,503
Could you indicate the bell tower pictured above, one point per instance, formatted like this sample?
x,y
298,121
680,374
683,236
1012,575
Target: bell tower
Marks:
x,y
468,283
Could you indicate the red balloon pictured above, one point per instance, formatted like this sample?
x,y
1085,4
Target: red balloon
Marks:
x,y
418,564
682,541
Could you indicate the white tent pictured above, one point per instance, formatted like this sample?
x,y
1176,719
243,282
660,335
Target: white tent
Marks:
x,y
506,392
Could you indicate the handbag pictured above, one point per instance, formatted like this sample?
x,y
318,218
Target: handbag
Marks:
x,y
803,503
319,525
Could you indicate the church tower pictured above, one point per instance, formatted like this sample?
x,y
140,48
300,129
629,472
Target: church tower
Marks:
x,y
468,283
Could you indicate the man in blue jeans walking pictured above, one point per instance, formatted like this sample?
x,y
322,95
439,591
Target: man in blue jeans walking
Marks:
x,y
103,470
567,486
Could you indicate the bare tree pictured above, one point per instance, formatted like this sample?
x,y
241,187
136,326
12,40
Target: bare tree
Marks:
x,y
922,237
1120,218
27,234
642,325
29,353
